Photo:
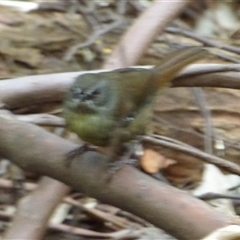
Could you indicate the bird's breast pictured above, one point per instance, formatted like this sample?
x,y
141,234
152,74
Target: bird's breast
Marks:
x,y
92,128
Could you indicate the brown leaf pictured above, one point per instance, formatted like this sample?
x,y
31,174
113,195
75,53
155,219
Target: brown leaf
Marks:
x,y
153,162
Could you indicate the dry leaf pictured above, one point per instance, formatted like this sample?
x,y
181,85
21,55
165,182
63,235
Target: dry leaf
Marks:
x,y
153,162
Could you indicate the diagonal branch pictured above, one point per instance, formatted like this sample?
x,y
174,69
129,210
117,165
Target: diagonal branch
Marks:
x,y
206,157
171,209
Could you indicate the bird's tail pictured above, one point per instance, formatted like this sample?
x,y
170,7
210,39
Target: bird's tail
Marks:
x,y
170,65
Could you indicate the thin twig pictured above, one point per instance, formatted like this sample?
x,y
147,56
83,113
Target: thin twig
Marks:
x,y
168,139
227,143
203,40
227,57
122,234
206,113
42,119
118,222
87,12
72,51
212,196
220,162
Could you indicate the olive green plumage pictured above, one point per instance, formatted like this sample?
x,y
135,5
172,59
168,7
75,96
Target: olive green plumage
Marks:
x,y
98,104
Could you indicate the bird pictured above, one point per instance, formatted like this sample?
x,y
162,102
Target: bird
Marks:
x,y
111,108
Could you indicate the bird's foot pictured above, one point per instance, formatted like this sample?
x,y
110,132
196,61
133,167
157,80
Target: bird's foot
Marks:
x,y
114,167
77,152
130,157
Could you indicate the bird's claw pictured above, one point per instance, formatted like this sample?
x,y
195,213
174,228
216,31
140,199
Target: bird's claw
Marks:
x,y
78,152
114,167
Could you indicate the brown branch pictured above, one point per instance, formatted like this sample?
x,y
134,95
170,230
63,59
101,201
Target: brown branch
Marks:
x,y
34,89
135,42
226,233
164,206
204,40
221,80
185,148
42,119
8,184
106,217
35,210
120,222
122,234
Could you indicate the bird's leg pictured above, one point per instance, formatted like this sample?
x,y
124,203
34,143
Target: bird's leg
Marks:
x,y
116,143
70,156
122,161
128,156
115,146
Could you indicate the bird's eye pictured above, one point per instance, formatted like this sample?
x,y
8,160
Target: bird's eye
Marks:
x,y
77,93
91,95
94,94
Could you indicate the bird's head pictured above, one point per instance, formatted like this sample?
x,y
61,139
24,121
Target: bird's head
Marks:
x,y
90,93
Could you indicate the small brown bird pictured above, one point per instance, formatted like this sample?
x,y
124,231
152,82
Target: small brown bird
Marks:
x,y
114,107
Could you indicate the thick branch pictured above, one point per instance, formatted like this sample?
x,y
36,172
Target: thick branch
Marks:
x,y
35,210
221,80
173,210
